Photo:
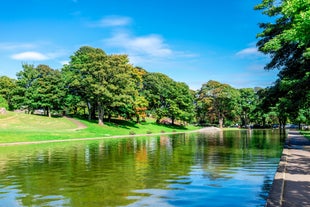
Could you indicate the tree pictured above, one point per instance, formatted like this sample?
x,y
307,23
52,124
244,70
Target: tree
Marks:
x,y
168,98
181,103
140,107
105,82
82,75
39,87
247,105
23,95
3,103
7,87
287,41
221,99
49,89
157,89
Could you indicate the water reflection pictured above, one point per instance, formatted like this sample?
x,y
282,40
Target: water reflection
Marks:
x,y
220,169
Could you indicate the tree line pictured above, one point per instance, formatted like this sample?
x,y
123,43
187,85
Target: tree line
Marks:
x,y
104,86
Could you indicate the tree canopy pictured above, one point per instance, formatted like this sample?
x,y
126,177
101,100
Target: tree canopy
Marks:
x,y
286,38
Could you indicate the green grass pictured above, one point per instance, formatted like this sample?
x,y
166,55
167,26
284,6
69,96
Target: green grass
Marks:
x,y
19,127
306,134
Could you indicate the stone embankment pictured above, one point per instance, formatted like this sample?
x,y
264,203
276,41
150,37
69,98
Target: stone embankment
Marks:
x,y
291,185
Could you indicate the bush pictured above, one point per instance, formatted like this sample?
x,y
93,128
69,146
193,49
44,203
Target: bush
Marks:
x,y
132,132
3,103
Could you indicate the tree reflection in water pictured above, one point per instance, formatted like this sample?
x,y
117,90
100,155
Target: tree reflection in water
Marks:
x,y
221,168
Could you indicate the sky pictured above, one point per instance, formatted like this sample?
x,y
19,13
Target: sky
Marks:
x,y
191,41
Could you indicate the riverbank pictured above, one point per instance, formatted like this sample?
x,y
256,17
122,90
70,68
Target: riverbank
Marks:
x,y
203,130
291,185
20,127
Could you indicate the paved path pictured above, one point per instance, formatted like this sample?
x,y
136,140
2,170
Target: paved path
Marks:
x,y
291,185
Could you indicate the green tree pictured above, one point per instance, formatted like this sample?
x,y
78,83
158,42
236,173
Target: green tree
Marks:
x,y
49,89
168,98
287,40
181,103
105,82
248,102
82,76
7,87
3,103
25,90
39,87
157,88
220,100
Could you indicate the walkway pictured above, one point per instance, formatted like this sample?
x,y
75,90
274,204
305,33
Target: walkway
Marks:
x,y
291,185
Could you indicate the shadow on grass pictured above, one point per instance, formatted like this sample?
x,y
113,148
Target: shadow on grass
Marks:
x,y
112,123
128,124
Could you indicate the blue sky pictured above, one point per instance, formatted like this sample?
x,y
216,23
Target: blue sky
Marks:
x,y
192,41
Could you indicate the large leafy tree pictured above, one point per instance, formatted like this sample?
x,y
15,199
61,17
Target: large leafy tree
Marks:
x,y
48,89
182,103
168,98
287,40
82,76
39,87
248,102
157,89
105,82
25,90
220,100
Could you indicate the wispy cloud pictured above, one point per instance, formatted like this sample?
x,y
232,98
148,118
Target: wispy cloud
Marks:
x,y
150,45
112,21
16,46
30,55
251,51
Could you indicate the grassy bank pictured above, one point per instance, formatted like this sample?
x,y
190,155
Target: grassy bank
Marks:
x,y
20,127
306,134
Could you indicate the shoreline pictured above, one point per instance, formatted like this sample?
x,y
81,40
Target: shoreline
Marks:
x,y
203,130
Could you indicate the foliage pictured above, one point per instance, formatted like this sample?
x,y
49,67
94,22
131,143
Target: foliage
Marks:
x,y
168,98
218,101
3,103
39,87
248,103
105,82
287,40
7,86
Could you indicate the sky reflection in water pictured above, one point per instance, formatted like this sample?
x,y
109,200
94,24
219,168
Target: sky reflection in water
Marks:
x,y
233,168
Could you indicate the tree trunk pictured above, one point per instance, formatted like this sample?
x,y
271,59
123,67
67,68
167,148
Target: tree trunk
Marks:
x,y
49,112
93,112
89,107
221,120
100,114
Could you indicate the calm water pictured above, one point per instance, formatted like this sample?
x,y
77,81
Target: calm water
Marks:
x,y
233,168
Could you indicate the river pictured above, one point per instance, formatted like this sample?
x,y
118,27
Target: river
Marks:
x,y
228,168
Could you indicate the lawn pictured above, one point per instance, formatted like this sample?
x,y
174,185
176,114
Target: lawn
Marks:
x,y
306,134
20,127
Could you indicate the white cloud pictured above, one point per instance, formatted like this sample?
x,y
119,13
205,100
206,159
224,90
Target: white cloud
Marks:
x,y
251,51
30,55
151,45
112,21
64,62
15,45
